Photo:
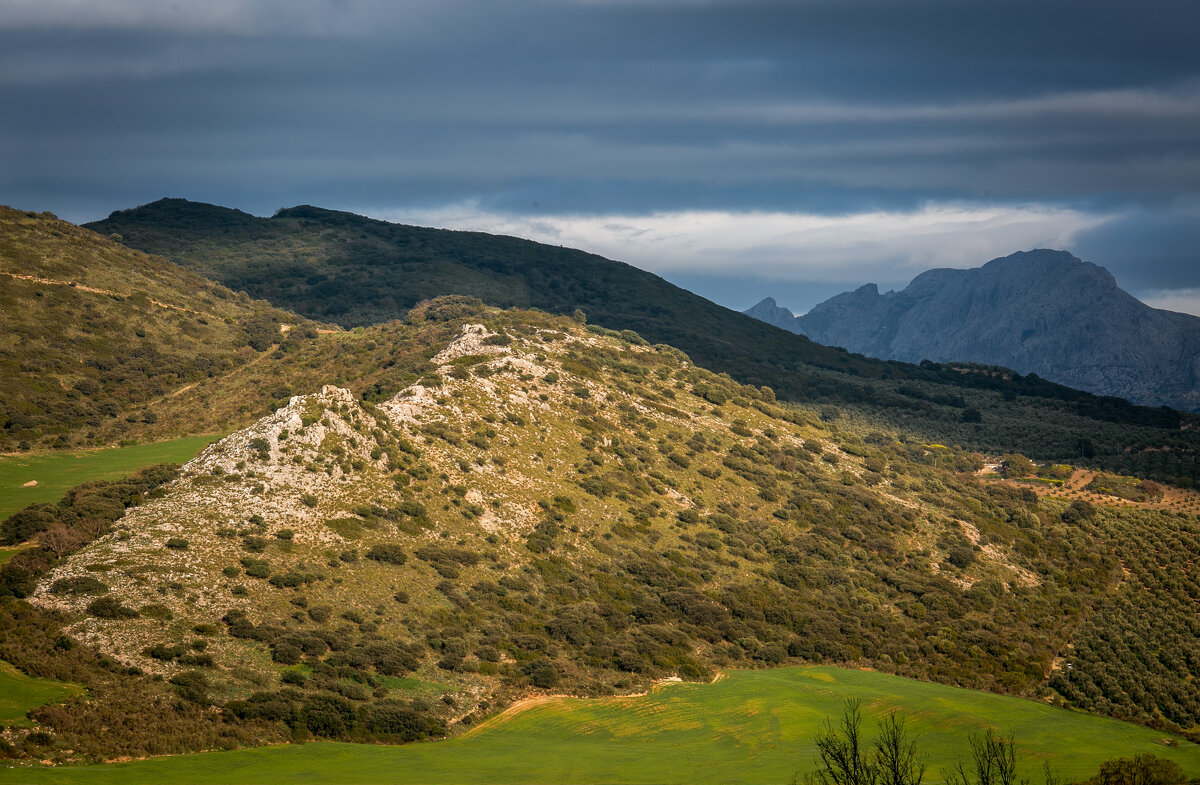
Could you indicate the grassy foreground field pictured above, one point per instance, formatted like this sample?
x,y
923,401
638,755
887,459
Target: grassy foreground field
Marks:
x,y
20,693
751,727
58,472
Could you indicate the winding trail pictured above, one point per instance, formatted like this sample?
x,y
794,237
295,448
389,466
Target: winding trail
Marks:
x,y
83,288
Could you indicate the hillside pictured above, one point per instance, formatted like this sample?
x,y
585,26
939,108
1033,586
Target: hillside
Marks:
x,y
356,271
94,334
1040,312
554,508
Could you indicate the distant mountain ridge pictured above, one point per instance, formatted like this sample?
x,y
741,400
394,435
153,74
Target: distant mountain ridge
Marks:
x,y
1038,312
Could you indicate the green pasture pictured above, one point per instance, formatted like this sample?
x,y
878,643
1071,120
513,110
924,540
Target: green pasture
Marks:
x,y
58,472
20,693
751,727
8,553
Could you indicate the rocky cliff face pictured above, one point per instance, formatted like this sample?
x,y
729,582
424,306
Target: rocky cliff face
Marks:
x,y
1042,311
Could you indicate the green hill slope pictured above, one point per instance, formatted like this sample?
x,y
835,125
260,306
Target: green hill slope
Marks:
x,y
94,334
355,271
537,506
751,727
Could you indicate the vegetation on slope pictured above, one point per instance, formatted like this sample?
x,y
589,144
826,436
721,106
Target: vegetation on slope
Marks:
x,y
123,712
94,334
537,505
347,269
20,693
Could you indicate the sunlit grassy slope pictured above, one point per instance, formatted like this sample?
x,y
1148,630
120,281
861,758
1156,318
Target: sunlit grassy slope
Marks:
x,y
751,727
58,472
20,693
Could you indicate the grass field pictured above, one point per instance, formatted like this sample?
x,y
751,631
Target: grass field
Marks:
x,y
20,693
751,727
8,553
58,472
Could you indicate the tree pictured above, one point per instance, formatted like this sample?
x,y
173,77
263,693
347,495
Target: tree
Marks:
x,y
843,757
840,751
896,754
1142,769
993,760
60,539
1017,465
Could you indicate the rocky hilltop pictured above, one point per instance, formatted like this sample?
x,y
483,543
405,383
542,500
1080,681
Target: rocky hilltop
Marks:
x,y
1038,312
553,506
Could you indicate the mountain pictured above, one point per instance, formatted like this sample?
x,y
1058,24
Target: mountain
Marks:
x,y
414,523
344,268
553,507
1038,312
96,334
767,310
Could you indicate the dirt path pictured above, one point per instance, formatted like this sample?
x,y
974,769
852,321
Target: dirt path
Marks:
x,y
524,704
1075,487
82,288
257,359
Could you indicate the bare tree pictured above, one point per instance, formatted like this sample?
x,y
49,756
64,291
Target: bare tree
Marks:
x,y
896,759
841,758
60,540
993,758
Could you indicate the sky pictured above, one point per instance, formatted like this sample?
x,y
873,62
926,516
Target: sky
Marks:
x,y
739,148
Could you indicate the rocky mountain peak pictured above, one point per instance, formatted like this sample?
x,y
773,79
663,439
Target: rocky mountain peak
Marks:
x,y
1041,311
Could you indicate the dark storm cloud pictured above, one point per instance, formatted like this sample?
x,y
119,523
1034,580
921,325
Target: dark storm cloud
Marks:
x,y
1149,249
555,108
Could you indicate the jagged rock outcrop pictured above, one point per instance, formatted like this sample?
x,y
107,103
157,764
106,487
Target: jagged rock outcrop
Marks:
x,y
1042,311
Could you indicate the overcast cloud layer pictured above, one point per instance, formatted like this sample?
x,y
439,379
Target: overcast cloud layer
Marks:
x,y
740,148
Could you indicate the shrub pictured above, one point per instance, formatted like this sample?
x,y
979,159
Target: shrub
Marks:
x,y
177,544
257,568
192,686
393,718
1144,768
961,556
254,544
328,715
285,653
110,607
288,580
161,651
82,584
542,673
156,610
388,553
